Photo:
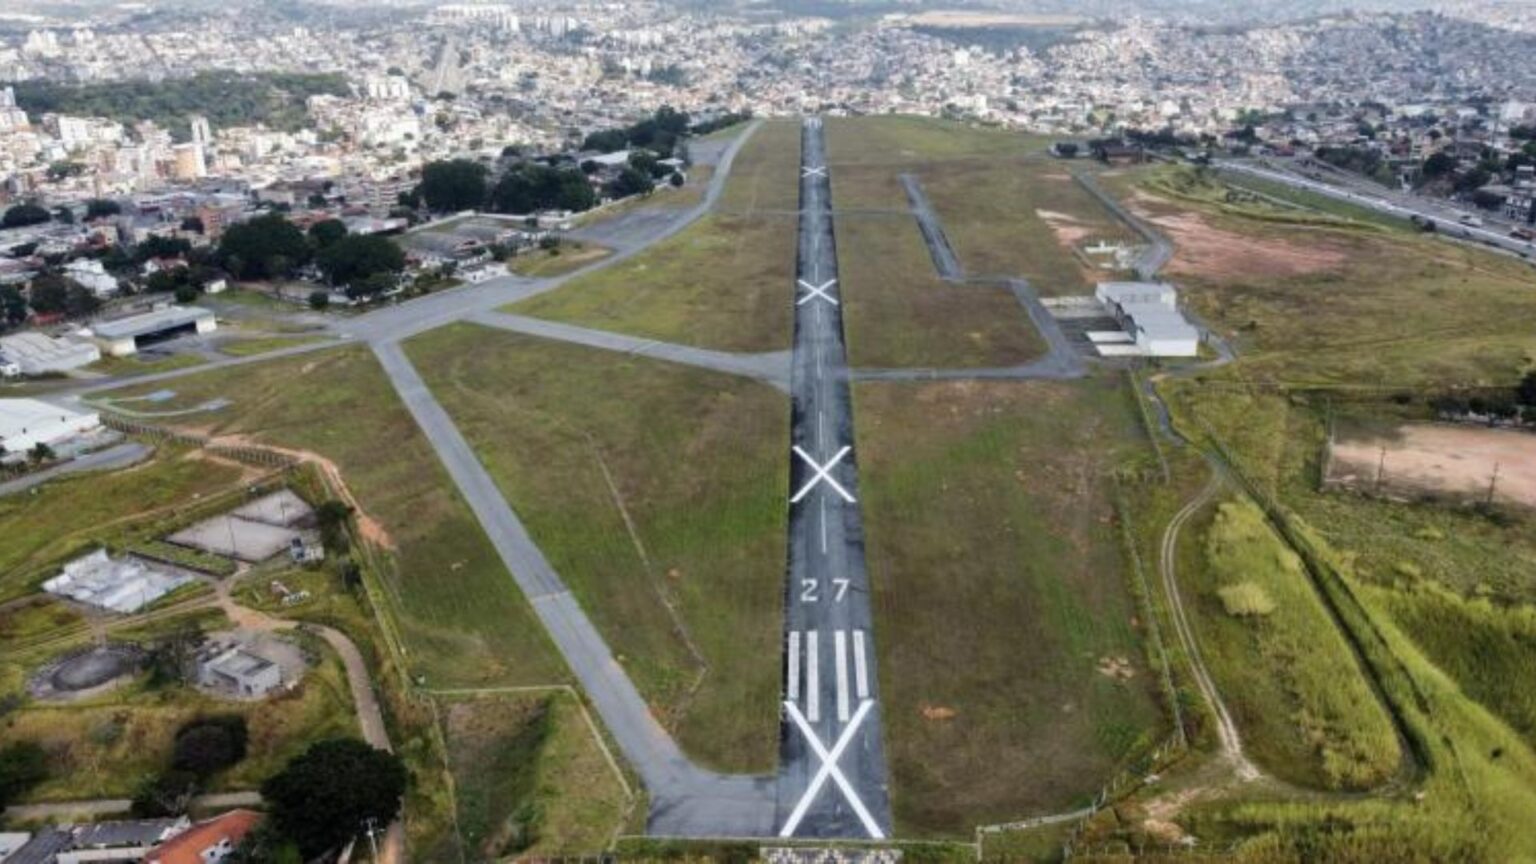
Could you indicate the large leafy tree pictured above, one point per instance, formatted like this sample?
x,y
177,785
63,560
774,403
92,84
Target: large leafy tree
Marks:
x,y
328,794
23,764
13,306
327,231
457,184
531,187
356,257
263,248
24,214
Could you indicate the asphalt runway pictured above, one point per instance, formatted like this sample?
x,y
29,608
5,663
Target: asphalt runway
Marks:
x,y
832,774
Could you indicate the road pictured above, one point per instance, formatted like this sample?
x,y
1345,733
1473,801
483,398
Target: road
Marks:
x,y
1393,203
119,456
832,772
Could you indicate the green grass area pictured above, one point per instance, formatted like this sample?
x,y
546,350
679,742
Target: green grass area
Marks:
x,y
897,312
462,618
1311,298
724,283
529,777
107,746
1284,670
265,344
74,515
140,364
1011,662
903,140
1313,201
542,263
1025,218
585,446
665,197
35,616
766,173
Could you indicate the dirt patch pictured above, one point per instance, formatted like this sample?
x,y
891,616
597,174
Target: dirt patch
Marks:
x,y
938,713
1438,459
1202,249
1118,668
371,529
1068,229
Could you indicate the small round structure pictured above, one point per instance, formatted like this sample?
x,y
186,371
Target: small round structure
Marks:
x,y
80,673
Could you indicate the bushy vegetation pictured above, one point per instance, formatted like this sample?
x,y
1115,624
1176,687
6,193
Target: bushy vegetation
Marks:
x,y
1287,673
333,792
658,133
225,98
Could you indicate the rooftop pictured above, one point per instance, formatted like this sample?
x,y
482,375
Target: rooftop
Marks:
x,y
150,322
19,415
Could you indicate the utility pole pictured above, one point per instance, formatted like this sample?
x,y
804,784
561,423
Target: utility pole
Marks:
x,y
1381,467
1493,483
370,825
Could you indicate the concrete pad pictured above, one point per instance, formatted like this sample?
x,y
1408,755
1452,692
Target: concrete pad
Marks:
x,y
233,537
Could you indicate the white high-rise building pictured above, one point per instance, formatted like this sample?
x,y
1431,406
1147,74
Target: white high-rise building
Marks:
x,y
202,133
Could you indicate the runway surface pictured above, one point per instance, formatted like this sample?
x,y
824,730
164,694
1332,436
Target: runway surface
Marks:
x,y
832,774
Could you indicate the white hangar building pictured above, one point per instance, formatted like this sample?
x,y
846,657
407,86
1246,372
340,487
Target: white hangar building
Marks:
x,y
1149,312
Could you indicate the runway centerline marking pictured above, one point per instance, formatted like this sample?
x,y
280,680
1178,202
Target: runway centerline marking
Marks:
x,y
815,292
823,526
829,769
823,472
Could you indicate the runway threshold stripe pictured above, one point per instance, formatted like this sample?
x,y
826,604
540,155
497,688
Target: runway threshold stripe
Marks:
x,y
793,688
860,670
840,639
812,679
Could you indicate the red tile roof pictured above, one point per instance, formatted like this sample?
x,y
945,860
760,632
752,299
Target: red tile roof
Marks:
x,y
188,847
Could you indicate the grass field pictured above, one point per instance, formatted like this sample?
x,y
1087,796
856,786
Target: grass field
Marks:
x,y
1011,663
140,364
897,312
1314,299
543,263
77,514
657,492
107,746
725,283
900,141
262,345
766,173
1284,670
529,777
463,620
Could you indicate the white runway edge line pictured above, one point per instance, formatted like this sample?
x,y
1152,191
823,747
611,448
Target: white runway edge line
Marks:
x,y
812,678
840,640
860,670
793,687
829,769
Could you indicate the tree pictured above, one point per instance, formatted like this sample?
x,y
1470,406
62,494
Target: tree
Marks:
x,y
193,224
22,215
101,208
13,306
631,181
1526,392
458,184
79,302
677,180
355,257
156,246
319,300
327,794
40,453
606,141
187,293
264,845
327,231
1439,165
208,746
49,294
265,247
23,764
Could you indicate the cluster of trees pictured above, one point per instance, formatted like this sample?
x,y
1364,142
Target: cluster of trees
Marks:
x,y
325,797
23,765
271,247
1361,160
724,121
202,748
532,186
225,98
1517,403
52,294
21,215
659,133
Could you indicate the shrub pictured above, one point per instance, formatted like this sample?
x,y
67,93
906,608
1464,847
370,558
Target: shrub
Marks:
x,y
207,746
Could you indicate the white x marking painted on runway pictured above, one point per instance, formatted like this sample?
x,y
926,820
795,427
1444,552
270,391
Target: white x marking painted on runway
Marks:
x,y
814,172
829,769
823,472
814,291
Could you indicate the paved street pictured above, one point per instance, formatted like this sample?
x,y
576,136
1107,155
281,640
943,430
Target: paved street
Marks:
x,y
832,772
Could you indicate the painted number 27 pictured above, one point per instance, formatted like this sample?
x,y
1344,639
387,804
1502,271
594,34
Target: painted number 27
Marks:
x,y
808,590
